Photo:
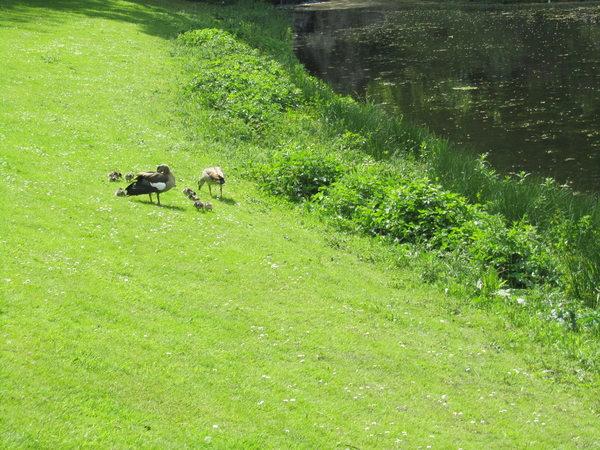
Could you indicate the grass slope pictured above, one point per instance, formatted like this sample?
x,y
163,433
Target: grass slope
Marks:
x,y
128,325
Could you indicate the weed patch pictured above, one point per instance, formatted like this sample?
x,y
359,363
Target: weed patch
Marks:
x,y
299,175
237,80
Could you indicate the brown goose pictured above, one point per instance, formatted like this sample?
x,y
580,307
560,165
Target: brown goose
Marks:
x,y
210,176
152,182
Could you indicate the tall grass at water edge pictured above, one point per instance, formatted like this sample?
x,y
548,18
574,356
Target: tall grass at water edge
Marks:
x,y
569,220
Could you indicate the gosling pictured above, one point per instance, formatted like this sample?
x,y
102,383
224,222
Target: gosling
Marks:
x,y
114,176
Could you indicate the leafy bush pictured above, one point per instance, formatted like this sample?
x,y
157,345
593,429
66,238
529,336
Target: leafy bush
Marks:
x,y
237,80
516,252
374,202
398,210
346,199
299,175
418,211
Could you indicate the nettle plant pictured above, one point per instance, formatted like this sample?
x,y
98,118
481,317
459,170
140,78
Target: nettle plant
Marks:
x,y
235,79
517,251
298,175
402,210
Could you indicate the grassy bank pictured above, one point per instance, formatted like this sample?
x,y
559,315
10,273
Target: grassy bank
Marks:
x,y
521,246
129,325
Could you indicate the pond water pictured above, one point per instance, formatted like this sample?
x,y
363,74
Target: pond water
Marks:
x,y
520,83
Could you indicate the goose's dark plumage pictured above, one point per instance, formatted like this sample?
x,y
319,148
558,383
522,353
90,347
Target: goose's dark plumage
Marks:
x,y
152,182
210,176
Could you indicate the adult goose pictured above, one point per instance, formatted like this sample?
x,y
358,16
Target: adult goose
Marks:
x,y
210,176
152,182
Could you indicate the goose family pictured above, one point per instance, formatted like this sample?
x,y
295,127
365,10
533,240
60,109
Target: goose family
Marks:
x,y
163,180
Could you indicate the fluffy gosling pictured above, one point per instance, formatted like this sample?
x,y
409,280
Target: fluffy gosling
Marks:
x,y
114,176
188,192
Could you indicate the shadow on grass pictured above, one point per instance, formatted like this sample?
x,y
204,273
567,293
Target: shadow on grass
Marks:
x,y
174,208
162,205
166,18
227,201
148,14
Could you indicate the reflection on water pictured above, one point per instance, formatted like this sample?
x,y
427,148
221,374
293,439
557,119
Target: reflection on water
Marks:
x,y
521,83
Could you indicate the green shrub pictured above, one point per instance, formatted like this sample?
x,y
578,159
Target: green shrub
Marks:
x,y
418,210
237,80
298,175
516,252
374,202
400,210
358,190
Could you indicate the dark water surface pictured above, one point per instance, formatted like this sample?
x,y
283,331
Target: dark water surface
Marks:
x,y
521,83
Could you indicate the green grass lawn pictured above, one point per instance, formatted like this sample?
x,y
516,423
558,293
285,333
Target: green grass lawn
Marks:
x,y
125,324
